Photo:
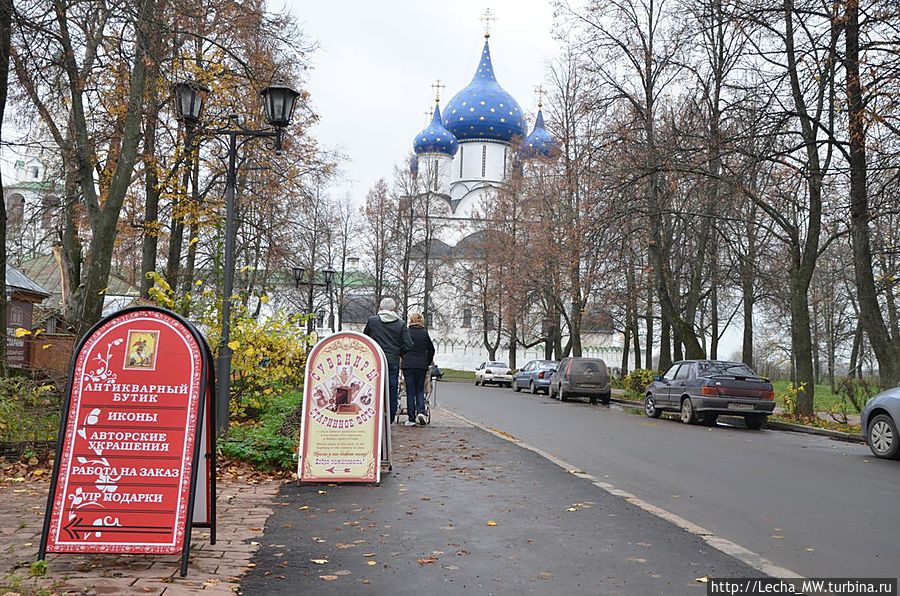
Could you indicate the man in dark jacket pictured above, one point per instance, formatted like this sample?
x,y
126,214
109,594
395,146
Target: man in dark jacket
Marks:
x,y
391,333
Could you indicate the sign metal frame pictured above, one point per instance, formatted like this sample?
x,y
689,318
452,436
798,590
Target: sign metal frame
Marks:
x,y
204,444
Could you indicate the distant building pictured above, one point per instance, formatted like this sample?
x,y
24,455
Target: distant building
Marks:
x,y
463,157
22,294
32,207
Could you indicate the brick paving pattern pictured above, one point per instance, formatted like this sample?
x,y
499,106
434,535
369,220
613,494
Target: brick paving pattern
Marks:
x,y
214,569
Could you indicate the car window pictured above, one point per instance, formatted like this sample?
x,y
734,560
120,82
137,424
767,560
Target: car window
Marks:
x,y
547,365
684,372
588,366
480,366
497,364
736,369
529,366
670,374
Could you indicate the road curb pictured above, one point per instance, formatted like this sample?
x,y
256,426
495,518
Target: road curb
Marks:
x,y
754,560
777,425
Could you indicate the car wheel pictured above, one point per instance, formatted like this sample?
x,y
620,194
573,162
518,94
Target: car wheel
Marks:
x,y
688,415
532,387
754,421
515,386
710,419
562,396
605,398
592,399
650,408
882,437
550,392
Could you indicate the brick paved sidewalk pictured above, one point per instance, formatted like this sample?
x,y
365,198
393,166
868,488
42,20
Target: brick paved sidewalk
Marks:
x,y
214,569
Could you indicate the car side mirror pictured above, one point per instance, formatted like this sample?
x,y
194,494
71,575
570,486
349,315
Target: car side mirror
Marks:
x,y
657,378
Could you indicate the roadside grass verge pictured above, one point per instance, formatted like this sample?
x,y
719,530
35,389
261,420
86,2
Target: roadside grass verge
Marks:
x,y
451,374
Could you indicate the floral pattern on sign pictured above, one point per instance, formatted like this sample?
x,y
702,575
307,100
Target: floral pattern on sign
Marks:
x,y
102,372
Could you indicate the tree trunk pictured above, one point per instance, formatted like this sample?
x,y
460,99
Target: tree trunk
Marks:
x,y
6,12
648,323
151,179
748,299
665,346
801,340
886,348
625,348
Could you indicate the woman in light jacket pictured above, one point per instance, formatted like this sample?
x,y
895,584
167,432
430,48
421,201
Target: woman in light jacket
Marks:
x,y
415,365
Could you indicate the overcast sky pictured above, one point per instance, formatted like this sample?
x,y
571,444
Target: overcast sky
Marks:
x,y
372,77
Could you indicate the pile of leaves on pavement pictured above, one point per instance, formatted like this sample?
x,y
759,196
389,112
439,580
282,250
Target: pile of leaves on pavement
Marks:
x,y
30,467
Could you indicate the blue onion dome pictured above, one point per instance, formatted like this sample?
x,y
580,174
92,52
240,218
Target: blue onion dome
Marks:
x,y
483,109
539,143
435,138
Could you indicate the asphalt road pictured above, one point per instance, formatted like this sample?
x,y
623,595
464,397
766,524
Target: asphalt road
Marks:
x,y
820,507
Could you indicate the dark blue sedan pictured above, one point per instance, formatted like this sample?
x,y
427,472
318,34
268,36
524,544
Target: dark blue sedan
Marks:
x,y
535,376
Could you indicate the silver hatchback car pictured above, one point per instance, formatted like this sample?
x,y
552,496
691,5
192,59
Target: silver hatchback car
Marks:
x,y
878,422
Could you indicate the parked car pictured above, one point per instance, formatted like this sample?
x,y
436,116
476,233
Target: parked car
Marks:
x,y
878,421
581,377
497,373
535,376
701,390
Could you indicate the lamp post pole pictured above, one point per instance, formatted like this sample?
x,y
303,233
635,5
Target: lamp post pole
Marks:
x,y
279,101
223,368
312,284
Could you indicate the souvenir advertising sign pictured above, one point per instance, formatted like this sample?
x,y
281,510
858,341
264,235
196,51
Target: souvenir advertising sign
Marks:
x,y
136,436
343,403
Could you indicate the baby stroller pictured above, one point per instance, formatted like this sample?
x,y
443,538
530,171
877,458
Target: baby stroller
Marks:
x,y
429,392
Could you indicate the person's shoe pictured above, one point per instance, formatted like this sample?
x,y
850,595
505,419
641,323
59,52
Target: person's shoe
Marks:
x,y
409,423
421,419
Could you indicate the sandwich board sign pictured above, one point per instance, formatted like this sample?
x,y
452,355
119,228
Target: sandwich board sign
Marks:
x,y
137,440
343,424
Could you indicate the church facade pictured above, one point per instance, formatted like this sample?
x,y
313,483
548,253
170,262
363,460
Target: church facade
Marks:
x,y
464,157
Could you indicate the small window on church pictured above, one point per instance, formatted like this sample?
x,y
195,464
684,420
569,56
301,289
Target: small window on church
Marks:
x,y
483,160
461,150
33,172
467,318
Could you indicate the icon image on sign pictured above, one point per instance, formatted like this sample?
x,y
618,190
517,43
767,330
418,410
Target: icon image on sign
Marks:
x,y
141,353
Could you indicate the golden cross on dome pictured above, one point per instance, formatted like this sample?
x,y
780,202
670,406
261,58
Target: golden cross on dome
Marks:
x,y
487,18
438,86
539,90
429,114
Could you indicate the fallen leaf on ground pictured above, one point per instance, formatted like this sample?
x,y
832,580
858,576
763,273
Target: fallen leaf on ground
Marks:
x,y
703,580
342,572
572,509
492,523
368,554
304,508
328,578
319,561
371,563
545,575
427,560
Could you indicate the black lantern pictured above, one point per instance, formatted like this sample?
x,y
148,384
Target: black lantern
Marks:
x,y
189,98
279,101
329,276
298,275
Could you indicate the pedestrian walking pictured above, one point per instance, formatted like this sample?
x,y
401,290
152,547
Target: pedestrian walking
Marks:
x,y
415,365
391,333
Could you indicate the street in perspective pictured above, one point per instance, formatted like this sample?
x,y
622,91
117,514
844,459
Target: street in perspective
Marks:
x,y
515,297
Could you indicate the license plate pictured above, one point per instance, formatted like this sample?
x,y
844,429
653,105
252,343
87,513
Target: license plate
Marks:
x,y
736,406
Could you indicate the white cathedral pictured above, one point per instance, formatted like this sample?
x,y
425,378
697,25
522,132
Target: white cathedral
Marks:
x,y
462,158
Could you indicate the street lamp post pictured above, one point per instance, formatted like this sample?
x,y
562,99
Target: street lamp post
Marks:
x,y
312,284
278,101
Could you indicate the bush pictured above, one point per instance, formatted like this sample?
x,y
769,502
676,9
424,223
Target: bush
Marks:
x,y
637,380
855,392
270,442
29,410
789,399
